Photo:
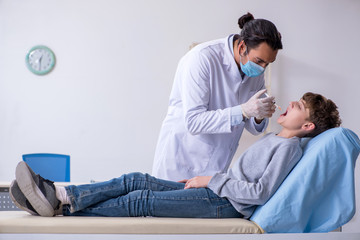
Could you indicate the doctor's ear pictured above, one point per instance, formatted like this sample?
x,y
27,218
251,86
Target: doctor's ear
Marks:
x,y
242,48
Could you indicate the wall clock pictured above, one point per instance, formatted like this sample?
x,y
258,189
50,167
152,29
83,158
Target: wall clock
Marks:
x,y
40,60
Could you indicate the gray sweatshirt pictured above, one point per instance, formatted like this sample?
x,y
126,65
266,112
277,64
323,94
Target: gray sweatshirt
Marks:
x,y
258,172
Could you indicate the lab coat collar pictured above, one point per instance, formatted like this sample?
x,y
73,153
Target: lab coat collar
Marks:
x,y
229,60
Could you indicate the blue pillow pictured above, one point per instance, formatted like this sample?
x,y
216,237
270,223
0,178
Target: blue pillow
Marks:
x,y
318,195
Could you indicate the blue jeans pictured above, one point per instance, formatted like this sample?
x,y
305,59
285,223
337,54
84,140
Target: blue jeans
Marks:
x,y
138,194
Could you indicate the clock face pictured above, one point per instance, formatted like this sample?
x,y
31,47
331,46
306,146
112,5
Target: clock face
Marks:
x,y
40,60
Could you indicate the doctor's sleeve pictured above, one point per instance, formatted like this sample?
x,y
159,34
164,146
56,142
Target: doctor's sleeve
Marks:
x,y
195,74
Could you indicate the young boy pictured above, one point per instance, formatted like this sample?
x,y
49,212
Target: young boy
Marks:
x,y
252,180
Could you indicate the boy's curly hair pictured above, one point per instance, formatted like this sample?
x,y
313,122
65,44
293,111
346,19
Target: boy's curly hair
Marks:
x,y
323,113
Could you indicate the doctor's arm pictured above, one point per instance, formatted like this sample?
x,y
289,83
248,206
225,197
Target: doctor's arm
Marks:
x,y
258,110
258,107
197,97
197,93
253,125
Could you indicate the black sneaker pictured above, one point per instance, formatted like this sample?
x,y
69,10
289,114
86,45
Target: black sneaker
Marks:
x,y
38,191
19,199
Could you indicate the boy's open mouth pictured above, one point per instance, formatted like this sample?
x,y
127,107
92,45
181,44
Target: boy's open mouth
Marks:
x,y
284,114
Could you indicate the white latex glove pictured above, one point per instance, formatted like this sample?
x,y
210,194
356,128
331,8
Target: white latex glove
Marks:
x,y
259,108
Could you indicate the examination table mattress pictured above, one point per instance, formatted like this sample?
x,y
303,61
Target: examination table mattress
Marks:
x,y
22,222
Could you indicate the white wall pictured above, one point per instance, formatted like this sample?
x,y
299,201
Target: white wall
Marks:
x,y
106,98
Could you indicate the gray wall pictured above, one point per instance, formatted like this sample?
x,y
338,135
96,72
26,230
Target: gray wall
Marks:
x,y
106,98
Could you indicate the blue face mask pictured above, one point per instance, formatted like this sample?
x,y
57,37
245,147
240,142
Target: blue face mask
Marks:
x,y
251,69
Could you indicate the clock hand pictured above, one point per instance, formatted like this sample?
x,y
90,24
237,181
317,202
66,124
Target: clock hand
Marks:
x,y
40,62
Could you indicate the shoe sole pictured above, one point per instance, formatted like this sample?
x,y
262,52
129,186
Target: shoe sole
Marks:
x,y
32,192
17,204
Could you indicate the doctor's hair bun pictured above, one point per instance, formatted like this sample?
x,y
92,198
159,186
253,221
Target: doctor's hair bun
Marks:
x,y
244,19
256,31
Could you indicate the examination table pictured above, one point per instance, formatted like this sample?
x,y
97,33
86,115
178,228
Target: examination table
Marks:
x,y
316,198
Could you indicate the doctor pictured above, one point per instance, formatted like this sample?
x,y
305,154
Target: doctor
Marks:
x,y
217,92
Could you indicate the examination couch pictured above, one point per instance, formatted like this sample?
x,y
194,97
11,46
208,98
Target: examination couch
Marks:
x,y
317,197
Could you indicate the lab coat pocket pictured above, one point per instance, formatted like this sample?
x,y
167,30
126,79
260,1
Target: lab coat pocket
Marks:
x,y
193,153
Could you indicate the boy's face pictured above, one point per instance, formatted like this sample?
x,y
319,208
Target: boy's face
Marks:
x,y
296,116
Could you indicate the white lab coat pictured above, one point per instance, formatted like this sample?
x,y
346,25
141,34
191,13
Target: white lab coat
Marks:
x,y
196,137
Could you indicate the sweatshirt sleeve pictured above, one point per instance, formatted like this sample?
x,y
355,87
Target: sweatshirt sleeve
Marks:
x,y
282,162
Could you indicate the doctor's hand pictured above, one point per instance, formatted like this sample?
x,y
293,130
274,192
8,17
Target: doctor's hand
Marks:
x,y
257,107
197,182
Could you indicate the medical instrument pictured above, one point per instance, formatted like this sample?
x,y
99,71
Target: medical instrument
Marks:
x,y
267,95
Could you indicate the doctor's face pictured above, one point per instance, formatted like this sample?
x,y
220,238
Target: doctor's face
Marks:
x,y
261,55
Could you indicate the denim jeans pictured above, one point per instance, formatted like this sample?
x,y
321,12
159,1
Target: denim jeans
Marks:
x,y
138,194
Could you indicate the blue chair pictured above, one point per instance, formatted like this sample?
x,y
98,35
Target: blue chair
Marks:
x,y
55,167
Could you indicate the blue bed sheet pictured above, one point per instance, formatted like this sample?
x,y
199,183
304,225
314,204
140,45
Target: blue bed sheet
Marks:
x,y
318,195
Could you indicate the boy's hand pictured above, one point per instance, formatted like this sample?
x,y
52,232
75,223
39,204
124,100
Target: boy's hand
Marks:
x,y
197,182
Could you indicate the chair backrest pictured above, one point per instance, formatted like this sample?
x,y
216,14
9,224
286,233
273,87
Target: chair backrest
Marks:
x,y
55,167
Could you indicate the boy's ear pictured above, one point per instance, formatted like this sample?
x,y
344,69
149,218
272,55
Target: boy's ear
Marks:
x,y
308,126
